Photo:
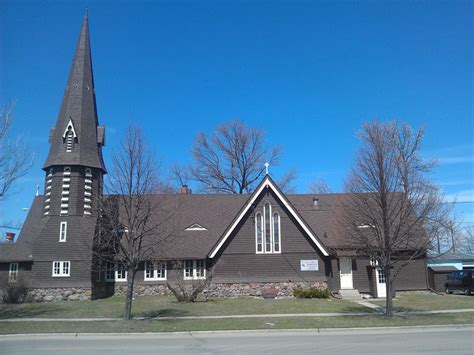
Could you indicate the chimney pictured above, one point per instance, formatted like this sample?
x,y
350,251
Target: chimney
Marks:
x,y
184,190
10,236
315,204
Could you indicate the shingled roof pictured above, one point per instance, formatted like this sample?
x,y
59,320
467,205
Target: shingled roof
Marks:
x,y
22,250
214,212
79,109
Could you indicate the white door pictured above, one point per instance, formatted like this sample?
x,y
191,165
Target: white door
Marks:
x,y
381,283
345,266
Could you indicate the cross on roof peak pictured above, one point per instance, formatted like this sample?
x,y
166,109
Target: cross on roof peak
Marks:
x,y
267,164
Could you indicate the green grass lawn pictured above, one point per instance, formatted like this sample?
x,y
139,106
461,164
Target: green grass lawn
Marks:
x,y
424,301
139,326
149,306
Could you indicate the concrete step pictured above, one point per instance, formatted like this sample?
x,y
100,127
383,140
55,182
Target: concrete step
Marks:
x,y
350,294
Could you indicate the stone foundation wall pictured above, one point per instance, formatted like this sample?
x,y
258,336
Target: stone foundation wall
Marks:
x,y
143,290
231,290
59,294
258,289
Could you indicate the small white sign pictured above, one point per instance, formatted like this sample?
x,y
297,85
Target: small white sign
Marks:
x,y
309,265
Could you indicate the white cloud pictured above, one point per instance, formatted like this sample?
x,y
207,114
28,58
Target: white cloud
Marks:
x,y
456,182
456,160
461,196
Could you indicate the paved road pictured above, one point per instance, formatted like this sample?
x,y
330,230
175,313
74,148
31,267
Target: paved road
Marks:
x,y
394,341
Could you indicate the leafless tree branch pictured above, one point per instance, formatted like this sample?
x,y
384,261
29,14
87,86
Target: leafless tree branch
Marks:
x,y
232,159
16,157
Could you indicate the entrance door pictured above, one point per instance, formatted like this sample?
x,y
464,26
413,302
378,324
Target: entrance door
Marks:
x,y
381,283
345,266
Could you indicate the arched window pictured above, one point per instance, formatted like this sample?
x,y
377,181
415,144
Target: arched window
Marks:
x,y
276,232
259,232
69,136
267,231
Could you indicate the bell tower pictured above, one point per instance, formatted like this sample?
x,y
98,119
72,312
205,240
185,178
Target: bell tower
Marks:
x,y
75,167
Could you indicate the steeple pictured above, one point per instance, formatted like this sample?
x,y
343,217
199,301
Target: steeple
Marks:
x,y
77,139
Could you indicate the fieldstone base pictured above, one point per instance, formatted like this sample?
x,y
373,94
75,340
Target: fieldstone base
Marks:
x,y
259,290
59,294
144,290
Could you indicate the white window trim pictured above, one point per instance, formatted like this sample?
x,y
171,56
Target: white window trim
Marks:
x,y
61,225
13,274
61,269
194,264
155,271
117,279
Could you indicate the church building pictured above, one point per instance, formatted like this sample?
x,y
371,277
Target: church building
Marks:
x,y
251,244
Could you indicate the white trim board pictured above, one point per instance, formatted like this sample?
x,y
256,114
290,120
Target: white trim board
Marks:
x,y
268,182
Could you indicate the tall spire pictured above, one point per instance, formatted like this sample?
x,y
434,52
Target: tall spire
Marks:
x,y
76,139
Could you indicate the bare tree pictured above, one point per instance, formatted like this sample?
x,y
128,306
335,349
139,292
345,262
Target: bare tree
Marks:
x,y
465,241
187,290
232,159
319,186
16,158
393,210
133,219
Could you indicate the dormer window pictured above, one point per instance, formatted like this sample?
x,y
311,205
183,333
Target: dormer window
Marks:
x,y
267,231
69,136
196,227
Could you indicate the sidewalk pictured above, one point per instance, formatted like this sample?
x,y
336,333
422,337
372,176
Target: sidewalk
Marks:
x,y
240,316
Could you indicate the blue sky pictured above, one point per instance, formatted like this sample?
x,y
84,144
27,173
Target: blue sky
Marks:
x,y
308,72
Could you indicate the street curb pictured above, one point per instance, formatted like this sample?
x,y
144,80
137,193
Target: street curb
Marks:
x,y
415,328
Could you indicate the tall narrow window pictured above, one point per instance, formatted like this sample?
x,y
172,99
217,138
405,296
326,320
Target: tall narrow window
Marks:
x,y
276,232
109,272
200,269
62,231
13,272
69,139
87,192
47,194
259,232
121,272
69,136
267,231
188,269
268,235
65,190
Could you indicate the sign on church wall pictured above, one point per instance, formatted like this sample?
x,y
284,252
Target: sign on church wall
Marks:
x,y
309,265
